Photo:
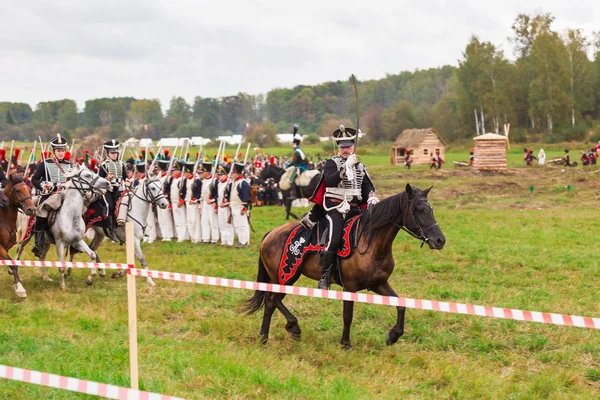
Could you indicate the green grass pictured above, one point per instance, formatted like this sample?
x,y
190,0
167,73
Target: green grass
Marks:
x,y
506,247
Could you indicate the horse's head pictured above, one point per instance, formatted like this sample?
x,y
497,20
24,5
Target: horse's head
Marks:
x,y
19,194
154,193
420,221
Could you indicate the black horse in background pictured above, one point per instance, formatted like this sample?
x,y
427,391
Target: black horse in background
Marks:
x,y
275,172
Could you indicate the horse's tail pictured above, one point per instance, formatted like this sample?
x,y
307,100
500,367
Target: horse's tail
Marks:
x,y
256,302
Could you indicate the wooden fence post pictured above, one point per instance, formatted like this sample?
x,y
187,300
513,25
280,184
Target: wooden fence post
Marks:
x,y
132,309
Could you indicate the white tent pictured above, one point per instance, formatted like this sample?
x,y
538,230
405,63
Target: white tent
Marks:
x,y
233,139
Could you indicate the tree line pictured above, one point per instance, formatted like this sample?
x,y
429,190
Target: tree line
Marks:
x,y
551,89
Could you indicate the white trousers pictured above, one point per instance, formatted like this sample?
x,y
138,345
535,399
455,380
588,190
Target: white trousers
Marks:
x,y
240,224
210,224
225,228
193,222
151,227
180,220
165,222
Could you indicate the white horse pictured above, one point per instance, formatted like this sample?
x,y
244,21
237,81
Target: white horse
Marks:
x,y
147,194
68,226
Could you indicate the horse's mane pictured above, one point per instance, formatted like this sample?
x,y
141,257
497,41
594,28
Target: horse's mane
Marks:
x,y
394,209
16,178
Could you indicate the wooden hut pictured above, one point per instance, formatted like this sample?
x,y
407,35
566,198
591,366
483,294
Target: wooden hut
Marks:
x,y
490,152
422,143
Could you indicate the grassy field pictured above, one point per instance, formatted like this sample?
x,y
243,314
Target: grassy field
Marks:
x,y
523,239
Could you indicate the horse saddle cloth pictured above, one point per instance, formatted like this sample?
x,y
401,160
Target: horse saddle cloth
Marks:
x,y
302,241
52,203
302,180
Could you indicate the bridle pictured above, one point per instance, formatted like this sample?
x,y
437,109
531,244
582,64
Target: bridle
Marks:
x,y
20,200
149,197
82,185
420,234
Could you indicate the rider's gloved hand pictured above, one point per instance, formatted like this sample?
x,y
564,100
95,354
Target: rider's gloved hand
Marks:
x,y
351,161
372,200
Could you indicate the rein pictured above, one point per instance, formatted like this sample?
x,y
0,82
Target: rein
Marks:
x,y
84,185
148,198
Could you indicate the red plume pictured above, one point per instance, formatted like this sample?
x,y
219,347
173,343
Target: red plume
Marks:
x,y
143,151
17,152
2,154
93,164
239,155
67,155
87,151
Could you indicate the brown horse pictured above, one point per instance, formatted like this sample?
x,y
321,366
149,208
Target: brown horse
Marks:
x,y
19,197
369,267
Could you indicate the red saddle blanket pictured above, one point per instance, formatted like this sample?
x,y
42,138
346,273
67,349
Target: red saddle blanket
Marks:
x,y
302,241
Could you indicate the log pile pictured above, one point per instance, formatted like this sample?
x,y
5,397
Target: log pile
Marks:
x,y
490,153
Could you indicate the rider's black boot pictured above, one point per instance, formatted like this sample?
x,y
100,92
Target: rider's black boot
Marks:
x,y
293,191
326,261
112,235
40,231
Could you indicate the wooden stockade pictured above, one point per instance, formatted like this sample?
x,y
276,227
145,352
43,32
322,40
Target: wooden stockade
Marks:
x,y
422,143
490,152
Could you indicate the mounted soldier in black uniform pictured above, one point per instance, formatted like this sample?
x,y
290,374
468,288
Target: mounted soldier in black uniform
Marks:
x,y
48,180
345,189
115,172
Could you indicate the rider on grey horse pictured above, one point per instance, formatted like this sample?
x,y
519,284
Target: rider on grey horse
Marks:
x,y
48,179
345,184
114,171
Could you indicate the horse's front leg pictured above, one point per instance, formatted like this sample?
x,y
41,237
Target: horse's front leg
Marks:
x,y
140,256
45,276
348,316
19,289
398,330
60,253
82,246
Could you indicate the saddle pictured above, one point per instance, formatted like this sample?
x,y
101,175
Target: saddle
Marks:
x,y
302,241
302,180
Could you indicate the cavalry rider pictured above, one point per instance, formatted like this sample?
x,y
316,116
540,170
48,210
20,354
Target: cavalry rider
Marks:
x,y
115,172
346,185
299,162
48,179
238,199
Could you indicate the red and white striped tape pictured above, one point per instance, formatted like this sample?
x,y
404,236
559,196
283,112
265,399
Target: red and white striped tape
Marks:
x,y
433,305
65,264
443,306
79,385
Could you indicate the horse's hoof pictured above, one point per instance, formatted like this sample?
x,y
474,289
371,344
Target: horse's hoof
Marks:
x,y
296,336
115,275
389,340
264,339
21,293
347,347
48,279
89,282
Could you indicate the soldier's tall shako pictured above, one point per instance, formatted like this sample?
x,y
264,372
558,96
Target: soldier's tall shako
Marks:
x,y
344,185
165,219
210,220
238,201
224,214
113,170
179,211
48,179
190,193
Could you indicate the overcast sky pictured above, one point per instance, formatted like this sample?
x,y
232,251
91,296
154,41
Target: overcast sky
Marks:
x,y
84,49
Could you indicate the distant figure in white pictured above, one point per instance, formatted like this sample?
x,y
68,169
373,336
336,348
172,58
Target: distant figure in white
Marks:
x,y
542,157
